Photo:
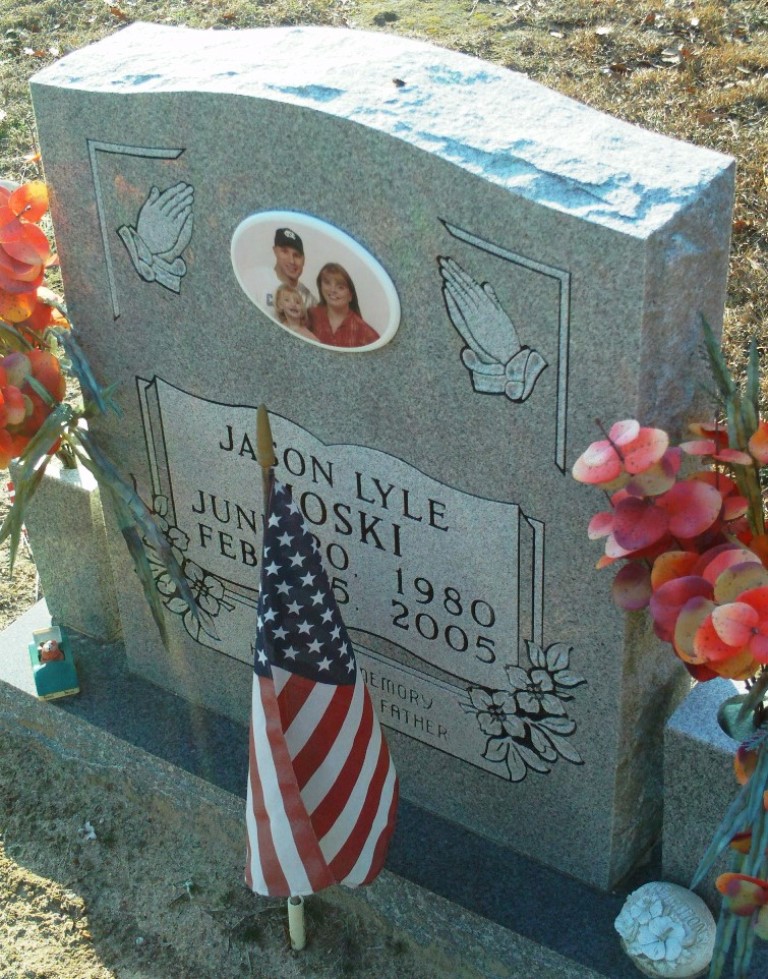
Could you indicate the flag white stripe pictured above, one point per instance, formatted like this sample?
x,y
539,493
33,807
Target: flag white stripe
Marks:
x,y
302,727
259,884
363,865
282,840
280,677
344,826
325,777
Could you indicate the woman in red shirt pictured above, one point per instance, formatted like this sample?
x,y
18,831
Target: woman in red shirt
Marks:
x,y
336,321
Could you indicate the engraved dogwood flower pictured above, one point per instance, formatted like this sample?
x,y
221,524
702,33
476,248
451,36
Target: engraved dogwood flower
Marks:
x,y
206,588
495,711
526,727
534,692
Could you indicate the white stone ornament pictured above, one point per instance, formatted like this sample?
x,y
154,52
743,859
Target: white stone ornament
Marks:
x,y
667,931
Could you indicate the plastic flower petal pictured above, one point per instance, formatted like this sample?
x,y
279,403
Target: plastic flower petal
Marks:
x,y
639,523
645,450
718,559
658,478
760,923
600,463
744,764
742,666
693,642
600,525
692,506
735,622
758,444
672,564
668,600
632,587
624,432
743,895
757,599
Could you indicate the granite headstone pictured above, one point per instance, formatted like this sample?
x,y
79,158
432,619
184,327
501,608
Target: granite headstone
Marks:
x,y
435,274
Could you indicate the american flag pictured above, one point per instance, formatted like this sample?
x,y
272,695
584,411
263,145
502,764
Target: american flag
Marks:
x,y
322,788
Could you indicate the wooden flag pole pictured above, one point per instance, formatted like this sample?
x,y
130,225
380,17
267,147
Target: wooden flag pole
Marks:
x,y
266,454
264,449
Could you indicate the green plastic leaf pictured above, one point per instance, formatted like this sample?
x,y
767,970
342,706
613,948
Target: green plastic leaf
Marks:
x,y
751,400
141,564
745,943
13,338
79,366
722,376
140,515
732,823
726,927
737,723
30,474
13,525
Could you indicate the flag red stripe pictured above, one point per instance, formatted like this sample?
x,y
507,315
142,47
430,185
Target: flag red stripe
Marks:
x,y
270,865
298,819
337,797
348,855
321,741
382,845
292,698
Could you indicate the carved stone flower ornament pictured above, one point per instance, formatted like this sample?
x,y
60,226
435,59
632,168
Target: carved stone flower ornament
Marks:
x,y
667,931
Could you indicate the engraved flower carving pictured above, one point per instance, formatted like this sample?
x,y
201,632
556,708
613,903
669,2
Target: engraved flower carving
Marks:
x,y
534,692
526,727
661,939
206,588
495,711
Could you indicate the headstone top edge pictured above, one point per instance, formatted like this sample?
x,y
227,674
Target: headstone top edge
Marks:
x,y
545,146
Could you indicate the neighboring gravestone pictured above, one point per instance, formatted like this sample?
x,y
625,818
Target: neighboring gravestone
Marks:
x,y
522,265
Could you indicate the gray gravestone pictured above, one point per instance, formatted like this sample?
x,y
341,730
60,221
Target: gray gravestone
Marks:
x,y
523,265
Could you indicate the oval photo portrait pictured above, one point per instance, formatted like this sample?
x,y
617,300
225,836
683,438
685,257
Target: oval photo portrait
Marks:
x,y
315,281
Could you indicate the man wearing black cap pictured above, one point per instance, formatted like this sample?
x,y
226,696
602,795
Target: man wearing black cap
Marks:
x,y
289,264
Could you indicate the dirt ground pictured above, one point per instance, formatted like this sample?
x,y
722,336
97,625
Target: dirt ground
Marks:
x,y
97,882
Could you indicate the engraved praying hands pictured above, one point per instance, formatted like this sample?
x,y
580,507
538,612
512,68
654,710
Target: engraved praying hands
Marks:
x,y
499,363
163,230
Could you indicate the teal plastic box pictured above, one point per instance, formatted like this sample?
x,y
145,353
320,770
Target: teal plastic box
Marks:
x,y
56,678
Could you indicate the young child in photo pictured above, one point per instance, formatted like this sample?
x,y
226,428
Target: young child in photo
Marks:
x,y
291,311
